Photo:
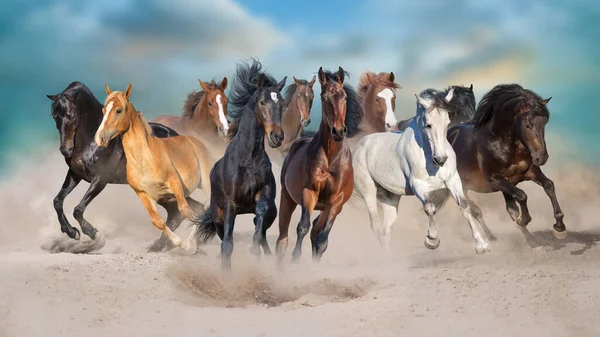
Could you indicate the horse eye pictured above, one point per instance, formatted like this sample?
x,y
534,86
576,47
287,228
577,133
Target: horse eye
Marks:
x,y
119,110
261,103
428,126
376,99
209,103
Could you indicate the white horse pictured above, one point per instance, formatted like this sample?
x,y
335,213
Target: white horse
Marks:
x,y
419,161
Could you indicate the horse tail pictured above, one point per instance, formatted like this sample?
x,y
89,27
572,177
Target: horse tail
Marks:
x,y
205,227
439,197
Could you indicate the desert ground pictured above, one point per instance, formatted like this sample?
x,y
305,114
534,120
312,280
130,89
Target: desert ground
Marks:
x,y
528,285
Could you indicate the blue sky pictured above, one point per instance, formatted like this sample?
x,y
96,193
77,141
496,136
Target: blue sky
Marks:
x,y
163,47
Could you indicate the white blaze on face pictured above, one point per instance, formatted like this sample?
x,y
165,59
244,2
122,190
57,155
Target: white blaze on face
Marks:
x,y
222,118
387,94
274,97
101,128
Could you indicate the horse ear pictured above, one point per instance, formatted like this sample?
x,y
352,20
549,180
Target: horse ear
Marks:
x,y
392,77
449,96
322,77
295,80
223,84
128,91
471,88
371,79
340,76
310,84
107,89
52,97
545,101
261,80
281,84
203,85
425,103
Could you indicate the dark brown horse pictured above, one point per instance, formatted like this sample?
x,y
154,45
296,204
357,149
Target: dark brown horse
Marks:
x,y
504,145
317,172
298,99
204,116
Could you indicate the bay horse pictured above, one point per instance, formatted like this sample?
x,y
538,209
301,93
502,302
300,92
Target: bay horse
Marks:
x,y
204,116
298,98
503,146
460,109
317,172
78,114
159,170
419,161
242,181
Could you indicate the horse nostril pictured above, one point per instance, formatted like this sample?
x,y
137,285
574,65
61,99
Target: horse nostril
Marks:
x,y
344,130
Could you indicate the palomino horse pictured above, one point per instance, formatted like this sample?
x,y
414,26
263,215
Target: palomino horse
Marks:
x,y
503,146
160,170
242,181
298,99
204,116
78,114
460,109
418,161
317,172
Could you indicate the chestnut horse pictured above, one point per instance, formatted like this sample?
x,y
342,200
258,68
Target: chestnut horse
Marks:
x,y
77,114
204,116
317,172
504,145
160,170
243,181
298,99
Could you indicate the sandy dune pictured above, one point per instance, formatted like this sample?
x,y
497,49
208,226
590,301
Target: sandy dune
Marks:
x,y
524,287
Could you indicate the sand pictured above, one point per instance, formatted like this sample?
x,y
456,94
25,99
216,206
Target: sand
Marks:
x,y
536,286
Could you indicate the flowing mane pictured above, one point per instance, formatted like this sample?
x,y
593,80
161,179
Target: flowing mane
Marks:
x,y
354,112
193,99
382,78
242,89
509,99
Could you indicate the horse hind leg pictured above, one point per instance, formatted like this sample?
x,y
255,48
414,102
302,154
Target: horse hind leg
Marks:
x,y
268,222
174,219
157,220
287,206
478,214
367,190
96,186
191,244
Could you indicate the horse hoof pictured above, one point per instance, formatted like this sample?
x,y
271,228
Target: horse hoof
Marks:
x,y
482,249
155,247
75,234
189,247
432,243
559,235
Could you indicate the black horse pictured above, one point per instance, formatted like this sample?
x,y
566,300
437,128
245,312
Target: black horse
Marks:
x,y
242,181
460,109
78,115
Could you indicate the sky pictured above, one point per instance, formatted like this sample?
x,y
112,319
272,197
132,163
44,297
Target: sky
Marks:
x,y
163,47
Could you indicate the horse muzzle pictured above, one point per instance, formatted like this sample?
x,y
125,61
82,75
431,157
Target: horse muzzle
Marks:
x,y
440,160
275,139
339,135
304,122
67,152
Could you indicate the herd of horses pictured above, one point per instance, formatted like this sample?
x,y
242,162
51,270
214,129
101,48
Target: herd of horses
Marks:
x,y
449,147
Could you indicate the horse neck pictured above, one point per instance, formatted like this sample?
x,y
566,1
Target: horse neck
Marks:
x,y
417,125
90,118
250,135
370,123
200,120
290,121
136,138
331,147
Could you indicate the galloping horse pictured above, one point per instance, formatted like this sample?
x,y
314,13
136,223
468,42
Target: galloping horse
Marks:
x,y
242,180
159,170
460,109
78,114
317,172
204,116
503,146
298,99
418,161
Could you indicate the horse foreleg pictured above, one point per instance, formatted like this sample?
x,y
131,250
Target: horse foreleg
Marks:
x,y
319,235
156,219
287,206
421,190
71,181
174,219
265,213
502,184
456,190
227,241
96,186
559,228
309,201
388,203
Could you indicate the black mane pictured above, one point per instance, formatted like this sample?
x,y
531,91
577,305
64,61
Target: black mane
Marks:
x,y
354,112
507,99
242,89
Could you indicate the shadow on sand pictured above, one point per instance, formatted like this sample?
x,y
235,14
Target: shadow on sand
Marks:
x,y
546,238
